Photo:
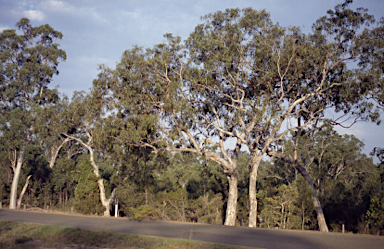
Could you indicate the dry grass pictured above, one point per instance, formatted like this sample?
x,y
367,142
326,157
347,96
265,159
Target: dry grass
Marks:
x,y
20,235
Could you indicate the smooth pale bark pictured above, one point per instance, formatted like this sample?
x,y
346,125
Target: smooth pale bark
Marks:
x,y
55,152
229,166
230,217
303,171
252,191
106,202
16,175
23,192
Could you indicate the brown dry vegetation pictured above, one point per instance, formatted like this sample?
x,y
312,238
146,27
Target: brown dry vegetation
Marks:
x,y
17,235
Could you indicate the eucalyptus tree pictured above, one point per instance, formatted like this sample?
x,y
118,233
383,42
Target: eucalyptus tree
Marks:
x,y
239,78
341,174
372,60
235,51
84,117
328,82
152,88
371,47
28,63
260,76
53,125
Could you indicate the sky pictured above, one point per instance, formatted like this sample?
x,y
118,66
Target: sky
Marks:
x,y
98,32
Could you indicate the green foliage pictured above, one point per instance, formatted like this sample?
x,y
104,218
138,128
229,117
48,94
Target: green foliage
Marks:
x,y
178,204
280,210
144,212
375,214
86,191
344,178
3,192
209,209
159,124
28,63
304,205
129,196
181,169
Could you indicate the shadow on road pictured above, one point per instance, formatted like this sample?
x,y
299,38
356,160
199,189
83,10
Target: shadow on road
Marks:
x,y
253,237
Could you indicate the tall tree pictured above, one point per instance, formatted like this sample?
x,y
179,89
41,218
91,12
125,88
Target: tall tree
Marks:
x,y
328,83
152,89
237,52
28,63
340,172
371,47
239,78
54,122
85,115
264,75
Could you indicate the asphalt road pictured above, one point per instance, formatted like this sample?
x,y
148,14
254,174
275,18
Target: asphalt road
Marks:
x,y
253,237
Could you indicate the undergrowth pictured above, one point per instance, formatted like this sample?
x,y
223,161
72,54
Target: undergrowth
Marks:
x,y
20,235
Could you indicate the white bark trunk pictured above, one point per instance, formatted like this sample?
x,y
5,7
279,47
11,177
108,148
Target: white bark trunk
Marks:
x,y
16,175
104,201
100,182
230,217
55,152
252,192
23,192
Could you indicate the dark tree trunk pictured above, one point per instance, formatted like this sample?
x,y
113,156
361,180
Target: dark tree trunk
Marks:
x,y
303,171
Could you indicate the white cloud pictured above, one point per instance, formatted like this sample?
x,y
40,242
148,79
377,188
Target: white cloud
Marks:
x,y
34,15
68,9
2,28
130,14
59,6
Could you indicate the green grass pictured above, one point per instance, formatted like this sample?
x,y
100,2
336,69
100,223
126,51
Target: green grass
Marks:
x,y
20,235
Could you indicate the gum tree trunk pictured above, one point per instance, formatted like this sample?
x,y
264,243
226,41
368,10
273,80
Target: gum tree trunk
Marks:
x,y
252,192
16,175
104,201
23,192
316,203
230,216
100,182
55,151
303,171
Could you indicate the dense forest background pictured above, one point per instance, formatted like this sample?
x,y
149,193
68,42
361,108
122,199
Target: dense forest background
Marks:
x,y
234,126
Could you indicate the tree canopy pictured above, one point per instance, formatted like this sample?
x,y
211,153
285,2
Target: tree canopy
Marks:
x,y
181,130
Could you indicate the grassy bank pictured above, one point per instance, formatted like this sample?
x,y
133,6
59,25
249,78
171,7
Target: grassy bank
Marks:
x,y
30,235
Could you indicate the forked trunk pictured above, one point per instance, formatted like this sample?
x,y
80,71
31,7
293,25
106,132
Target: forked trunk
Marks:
x,y
16,175
230,216
55,152
104,201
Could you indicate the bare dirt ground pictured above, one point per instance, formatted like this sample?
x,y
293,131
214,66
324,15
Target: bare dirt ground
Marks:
x,y
252,237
